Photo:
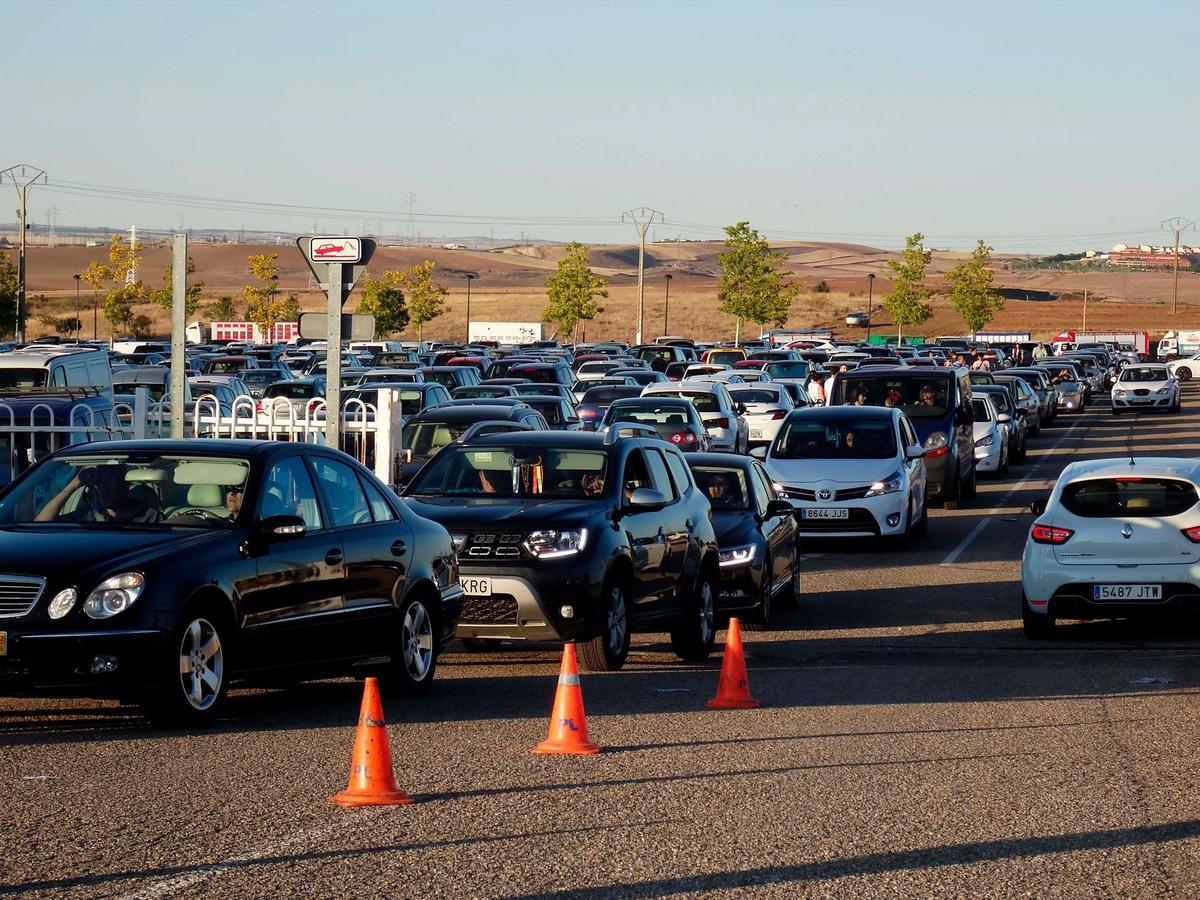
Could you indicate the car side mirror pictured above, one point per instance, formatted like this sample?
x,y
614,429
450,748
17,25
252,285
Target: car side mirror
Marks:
x,y
1038,506
647,500
740,409
1003,418
280,528
759,452
778,508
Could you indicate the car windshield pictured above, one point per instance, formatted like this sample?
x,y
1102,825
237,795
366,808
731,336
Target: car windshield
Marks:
x,y
139,489
676,413
920,398
261,376
514,472
533,373
787,369
291,391
702,400
550,409
155,391
427,438
1143,373
1128,497
725,488
545,390
725,357
821,437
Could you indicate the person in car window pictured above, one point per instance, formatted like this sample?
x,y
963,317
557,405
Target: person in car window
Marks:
x,y
106,498
860,397
928,395
233,501
592,484
848,440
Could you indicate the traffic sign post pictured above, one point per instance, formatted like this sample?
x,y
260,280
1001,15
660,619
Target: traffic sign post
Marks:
x,y
337,263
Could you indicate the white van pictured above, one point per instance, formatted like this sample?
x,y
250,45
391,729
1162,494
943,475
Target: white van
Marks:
x,y
56,367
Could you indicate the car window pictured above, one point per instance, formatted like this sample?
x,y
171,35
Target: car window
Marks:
x,y
288,491
907,432
821,437
679,472
759,490
703,401
659,477
725,488
1128,497
381,510
636,475
979,407
342,492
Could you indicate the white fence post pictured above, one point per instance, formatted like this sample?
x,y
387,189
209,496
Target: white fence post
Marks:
x,y
387,436
141,409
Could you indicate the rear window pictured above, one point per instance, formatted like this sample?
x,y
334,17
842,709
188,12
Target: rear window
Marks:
x,y
606,395
291,391
1100,498
788,369
757,396
704,402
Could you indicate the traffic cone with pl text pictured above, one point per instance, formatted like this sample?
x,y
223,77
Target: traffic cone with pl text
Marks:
x,y
733,690
372,782
568,724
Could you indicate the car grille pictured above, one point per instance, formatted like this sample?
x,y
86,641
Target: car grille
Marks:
x,y
854,493
499,609
1142,392
492,545
18,594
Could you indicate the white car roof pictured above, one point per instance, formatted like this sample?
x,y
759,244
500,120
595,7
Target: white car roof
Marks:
x,y
1143,466
688,385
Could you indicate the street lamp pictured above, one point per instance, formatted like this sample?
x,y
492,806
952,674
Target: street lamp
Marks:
x,y
667,304
870,302
470,276
77,278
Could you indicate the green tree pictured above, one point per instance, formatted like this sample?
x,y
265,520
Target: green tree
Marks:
x,y
291,309
223,309
141,325
8,295
908,302
752,285
975,300
263,306
572,290
383,298
113,277
426,297
68,325
164,295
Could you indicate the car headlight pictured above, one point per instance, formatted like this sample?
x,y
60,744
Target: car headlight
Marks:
x,y
1119,393
936,441
1163,390
736,556
63,603
457,539
550,544
114,595
888,485
985,441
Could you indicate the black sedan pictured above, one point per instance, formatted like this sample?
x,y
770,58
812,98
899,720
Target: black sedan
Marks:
x,y
162,570
757,537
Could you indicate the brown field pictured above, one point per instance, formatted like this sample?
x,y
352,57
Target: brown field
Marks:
x,y
509,287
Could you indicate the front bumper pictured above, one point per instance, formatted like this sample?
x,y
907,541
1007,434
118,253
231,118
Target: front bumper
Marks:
x,y
865,516
988,459
739,587
1151,401
1072,402
37,657
526,602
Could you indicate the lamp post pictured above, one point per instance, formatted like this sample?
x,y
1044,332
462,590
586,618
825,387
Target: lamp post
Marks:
x,y
667,304
77,278
95,314
870,302
470,276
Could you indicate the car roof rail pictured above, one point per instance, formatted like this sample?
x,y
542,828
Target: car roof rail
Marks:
x,y
500,426
620,430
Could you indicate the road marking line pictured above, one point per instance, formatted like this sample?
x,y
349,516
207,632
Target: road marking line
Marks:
x,y
1003,501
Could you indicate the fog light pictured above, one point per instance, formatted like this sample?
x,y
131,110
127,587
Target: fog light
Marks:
x,y
567,612
104,664
893,520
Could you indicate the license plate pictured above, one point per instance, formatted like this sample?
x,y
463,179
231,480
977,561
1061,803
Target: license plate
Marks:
x,y
755,434
1126,591
3,643
476,587
824,513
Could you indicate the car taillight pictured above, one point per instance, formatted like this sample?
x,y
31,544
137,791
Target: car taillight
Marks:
x,y
585,412
1048,534
722,422
778,414
686,437
1192,534
940,451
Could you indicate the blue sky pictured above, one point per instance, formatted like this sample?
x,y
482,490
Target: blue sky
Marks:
x,y
1033,126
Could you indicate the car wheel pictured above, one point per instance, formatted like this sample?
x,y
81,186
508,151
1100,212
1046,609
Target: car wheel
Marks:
x,y
790,597
1037,626
760,619
952,499
1003,467
903,540
415,660
607,651
922,528
194,672
693,640
1183,373
480,645
970,488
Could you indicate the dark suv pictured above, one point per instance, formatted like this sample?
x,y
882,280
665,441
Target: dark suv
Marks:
x,y
576,537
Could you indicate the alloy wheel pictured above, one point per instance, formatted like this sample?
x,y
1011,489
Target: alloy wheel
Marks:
x,y
417,641
201,664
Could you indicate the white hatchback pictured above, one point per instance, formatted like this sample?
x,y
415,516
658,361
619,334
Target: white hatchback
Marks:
x,y
1116,538
1145,386
766,407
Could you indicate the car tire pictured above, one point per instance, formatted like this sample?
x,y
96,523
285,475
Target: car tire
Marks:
x,y
1037,626
480,645
760,619
969,490
414,661
952,498
903,540
1183,373
608,650
194,671
694,638
922,528
1002,469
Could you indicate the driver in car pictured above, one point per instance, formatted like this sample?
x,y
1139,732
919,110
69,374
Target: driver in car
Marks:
x,y
106,498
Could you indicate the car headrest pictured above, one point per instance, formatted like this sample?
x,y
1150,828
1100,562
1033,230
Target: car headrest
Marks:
x,y
205,495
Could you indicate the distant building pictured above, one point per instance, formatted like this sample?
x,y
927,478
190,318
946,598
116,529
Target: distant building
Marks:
x,y
1147,257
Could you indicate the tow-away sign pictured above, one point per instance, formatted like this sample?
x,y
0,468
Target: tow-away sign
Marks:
x,y
335,249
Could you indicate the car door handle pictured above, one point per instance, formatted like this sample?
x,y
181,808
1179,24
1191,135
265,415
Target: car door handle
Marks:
x,y
399,548
334,557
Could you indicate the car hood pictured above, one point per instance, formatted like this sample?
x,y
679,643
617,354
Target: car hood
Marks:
x,y
93,554
464,513
982,430
836,471
734,528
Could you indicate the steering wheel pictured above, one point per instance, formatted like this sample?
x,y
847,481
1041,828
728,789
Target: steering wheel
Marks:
x,y
201,513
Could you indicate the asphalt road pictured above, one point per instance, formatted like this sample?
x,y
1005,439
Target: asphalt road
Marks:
x,y
911,743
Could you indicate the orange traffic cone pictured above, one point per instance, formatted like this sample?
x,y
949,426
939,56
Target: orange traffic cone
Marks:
x,y
733,691
372,782
568,724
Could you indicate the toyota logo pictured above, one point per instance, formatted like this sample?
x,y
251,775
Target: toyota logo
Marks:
x,y
825,494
